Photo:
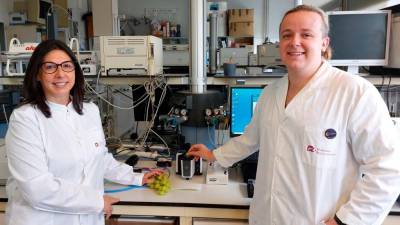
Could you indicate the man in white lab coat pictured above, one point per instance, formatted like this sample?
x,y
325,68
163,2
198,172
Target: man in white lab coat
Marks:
x,y
328,153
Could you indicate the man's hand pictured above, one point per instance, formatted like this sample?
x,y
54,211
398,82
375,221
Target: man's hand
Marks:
x,y
330,222
201,151
108,202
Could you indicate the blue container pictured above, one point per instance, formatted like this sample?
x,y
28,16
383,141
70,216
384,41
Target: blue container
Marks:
x,y
3,129
229,69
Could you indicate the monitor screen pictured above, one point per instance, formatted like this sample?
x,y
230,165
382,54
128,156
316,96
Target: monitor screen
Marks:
x,y
359,38
243,101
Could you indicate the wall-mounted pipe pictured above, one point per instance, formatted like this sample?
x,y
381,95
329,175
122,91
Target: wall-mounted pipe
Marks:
x,y
197,77
213,17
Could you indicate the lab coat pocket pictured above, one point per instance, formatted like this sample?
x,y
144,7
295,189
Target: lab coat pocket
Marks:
x,y
318,150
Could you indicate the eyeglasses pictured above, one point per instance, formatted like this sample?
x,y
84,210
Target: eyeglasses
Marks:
x,y
50,67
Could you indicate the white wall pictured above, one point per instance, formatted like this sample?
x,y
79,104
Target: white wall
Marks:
x,y
137,8
275,10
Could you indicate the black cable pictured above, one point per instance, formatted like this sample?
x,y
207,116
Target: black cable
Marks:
x,y
123,150
122,93
387,92
383,81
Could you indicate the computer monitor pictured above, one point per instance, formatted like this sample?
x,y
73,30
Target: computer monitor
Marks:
x,y
359,38
243,100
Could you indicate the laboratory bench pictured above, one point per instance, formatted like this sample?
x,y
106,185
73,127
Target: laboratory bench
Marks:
x,y
189,200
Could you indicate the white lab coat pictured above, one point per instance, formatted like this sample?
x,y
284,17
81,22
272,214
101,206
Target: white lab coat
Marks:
x,y
58,165
303,177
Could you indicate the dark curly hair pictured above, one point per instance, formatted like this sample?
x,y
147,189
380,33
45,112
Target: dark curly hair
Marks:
x,y
32,89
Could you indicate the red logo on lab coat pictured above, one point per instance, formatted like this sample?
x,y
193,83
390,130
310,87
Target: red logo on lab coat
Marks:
x,y
321,151
311,148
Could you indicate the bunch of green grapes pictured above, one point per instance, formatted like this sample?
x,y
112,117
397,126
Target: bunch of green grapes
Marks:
x,y
161,184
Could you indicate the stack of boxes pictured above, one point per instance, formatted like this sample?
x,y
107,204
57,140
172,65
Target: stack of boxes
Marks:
x,y
241,22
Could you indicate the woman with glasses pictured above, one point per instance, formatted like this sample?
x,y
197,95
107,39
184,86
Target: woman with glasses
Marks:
x,y
56,148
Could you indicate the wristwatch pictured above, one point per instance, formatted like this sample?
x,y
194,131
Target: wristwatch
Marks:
x,y
338,221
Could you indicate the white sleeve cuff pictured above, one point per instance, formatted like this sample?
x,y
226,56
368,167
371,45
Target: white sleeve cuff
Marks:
x,y
220,158
138,179
347,218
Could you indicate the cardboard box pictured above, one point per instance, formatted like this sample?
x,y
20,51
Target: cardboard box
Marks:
x,y
20,6
240,15
241,29
62,16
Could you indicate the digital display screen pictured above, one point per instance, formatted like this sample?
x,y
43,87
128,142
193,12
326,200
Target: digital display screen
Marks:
x,y
243,101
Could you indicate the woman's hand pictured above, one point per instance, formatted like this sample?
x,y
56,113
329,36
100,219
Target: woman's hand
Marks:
x,y
149,176
201,151
108,202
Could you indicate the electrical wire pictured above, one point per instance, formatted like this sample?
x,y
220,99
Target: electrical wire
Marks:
x,y
5,113
130,187
226,127
98,78
153,119
218,143
54,6
108,102
120,92
209,136
121,150
164,142
150,87
133,90
115,97
387,93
